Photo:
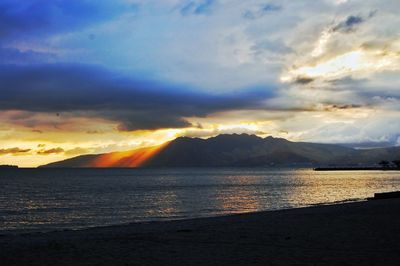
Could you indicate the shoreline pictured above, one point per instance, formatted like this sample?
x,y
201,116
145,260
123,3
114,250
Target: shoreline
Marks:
x,y
354,233
17,232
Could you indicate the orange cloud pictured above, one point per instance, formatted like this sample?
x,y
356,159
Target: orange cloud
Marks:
x,y
50,151
14,151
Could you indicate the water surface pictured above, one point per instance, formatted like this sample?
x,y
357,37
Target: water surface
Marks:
x,y
53,199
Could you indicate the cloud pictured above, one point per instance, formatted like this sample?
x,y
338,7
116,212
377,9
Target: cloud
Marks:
x,y
50,151
197,7
76,151
272,47
15,56
170,62
349,24
357,63
93,132
21,17
271,8
366,126
95,92
260,11
14,151
303,80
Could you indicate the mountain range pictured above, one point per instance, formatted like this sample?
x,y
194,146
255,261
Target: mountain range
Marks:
x,y
234,150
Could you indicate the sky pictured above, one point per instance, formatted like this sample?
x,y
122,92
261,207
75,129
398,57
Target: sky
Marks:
x,y
94,76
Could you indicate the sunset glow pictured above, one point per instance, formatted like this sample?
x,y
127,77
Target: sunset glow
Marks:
x,y
94,77
355,62
135,158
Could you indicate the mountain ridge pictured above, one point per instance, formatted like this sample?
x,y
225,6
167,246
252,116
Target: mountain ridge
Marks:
x,y
232,150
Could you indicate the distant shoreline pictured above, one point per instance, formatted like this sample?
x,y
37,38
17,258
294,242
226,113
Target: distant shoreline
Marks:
x,y
356,169
203,167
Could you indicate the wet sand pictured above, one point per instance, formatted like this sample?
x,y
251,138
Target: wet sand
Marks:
x,y
363,233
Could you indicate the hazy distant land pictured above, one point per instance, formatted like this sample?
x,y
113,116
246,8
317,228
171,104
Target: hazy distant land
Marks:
x,y
7,166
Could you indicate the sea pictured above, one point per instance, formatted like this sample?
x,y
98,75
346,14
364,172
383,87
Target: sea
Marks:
x,y
44,200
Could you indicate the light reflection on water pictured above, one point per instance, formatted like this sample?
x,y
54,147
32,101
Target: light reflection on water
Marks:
x,y
48,199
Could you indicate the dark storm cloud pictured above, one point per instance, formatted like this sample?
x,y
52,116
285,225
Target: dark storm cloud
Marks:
x,y
22,16
46,16
94,92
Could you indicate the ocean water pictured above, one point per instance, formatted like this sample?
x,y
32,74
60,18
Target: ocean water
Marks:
x,y
56,199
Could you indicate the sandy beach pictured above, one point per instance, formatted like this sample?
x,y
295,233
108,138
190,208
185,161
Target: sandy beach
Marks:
x,y
362,233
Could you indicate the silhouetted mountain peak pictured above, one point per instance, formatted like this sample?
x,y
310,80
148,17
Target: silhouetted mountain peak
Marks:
x,y
187,139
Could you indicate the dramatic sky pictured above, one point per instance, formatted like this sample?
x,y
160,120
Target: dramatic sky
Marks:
x,y
92,76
